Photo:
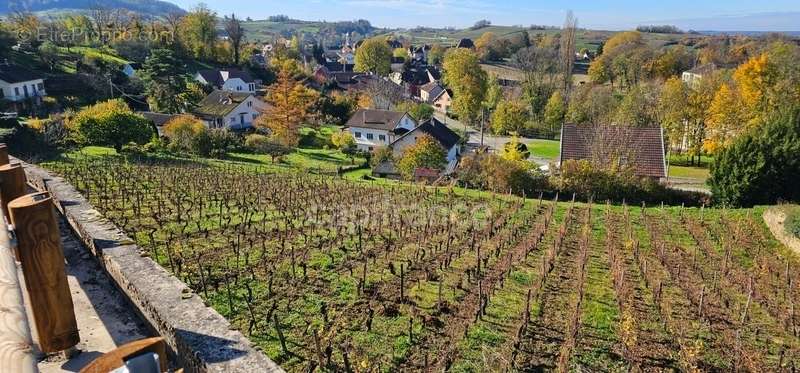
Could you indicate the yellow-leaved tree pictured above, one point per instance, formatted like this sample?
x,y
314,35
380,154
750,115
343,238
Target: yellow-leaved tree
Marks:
x,y
726,118
289,104
754,78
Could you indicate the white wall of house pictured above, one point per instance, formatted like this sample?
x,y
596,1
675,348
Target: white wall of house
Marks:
x,y
368,139
128,70
241,117
22,90
238,85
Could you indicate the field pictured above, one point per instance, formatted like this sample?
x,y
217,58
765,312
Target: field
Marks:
x,y
357,276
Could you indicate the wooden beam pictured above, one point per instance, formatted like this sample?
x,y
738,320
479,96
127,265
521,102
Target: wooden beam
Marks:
x,y
16,344
42,258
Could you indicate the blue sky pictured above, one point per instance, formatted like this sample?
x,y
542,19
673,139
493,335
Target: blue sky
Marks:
x,y
723,15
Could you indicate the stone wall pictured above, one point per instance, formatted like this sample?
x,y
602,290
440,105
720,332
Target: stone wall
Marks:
x,y
201,338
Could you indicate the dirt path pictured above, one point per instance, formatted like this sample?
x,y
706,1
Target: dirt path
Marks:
x,y
774,219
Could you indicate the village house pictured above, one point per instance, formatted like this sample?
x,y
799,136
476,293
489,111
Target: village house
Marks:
x,y
437,96
233,110
374,128
640,148
694,76
232,80
19,84
448,139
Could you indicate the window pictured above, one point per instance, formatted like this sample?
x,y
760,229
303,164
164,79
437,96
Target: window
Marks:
x,y
358,135
370,148
369,136
382,138
233,120
238,88
249,103
41,87
2,94
25,90
16,91
255,115
252,87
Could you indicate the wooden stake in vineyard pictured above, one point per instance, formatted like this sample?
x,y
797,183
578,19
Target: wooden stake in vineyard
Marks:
x,y
42,259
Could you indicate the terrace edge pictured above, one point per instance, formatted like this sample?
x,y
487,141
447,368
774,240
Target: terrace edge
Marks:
x,y
202,339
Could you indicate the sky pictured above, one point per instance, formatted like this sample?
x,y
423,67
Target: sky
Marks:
x,y
718,15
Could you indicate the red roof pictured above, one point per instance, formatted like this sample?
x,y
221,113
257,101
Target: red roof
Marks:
x,y
641,147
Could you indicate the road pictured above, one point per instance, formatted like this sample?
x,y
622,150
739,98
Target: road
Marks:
x,y
495,143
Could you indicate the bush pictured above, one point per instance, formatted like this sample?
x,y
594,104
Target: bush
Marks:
x,y
182,131
426,153
588,181
216,143
263,145
761,167
501,175
110,123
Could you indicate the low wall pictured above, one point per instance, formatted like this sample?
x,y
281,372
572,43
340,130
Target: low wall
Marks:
x,y
201,338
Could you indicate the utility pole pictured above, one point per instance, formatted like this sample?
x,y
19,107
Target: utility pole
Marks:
x,y
483,120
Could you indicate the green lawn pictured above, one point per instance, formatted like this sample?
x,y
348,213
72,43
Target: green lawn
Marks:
x,y
689,172
548,149
303,159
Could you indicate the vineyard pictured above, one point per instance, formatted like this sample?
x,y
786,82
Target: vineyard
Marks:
x,y
328,274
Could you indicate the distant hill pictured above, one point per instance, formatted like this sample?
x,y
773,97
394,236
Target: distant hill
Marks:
x,y
144,7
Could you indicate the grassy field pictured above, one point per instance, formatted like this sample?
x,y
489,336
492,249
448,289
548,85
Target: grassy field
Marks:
x,y
548,149
362,275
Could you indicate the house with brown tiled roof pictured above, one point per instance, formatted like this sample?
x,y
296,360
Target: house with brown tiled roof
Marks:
x,y
641,148
233,110
374,128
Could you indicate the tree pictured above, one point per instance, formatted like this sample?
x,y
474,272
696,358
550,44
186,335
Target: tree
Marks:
x,y
288,108
436,54
233,27
198,31
673,108
419,111
263,145
110,123
637,107
345,142
726,119
7,39
494,93
182,131
555,111
510,116
515,150
464,75
374,56
761,167
425,153
567,49
484,45
48,53
164,81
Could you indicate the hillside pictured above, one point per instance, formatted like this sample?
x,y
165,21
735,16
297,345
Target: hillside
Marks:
x,y
145,7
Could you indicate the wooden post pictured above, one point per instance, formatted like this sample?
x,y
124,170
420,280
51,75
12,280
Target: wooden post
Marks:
x,y
12,184
16,351
42,258
3,154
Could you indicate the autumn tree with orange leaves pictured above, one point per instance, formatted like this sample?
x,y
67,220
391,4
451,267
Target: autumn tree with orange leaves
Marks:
x,y
289,105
